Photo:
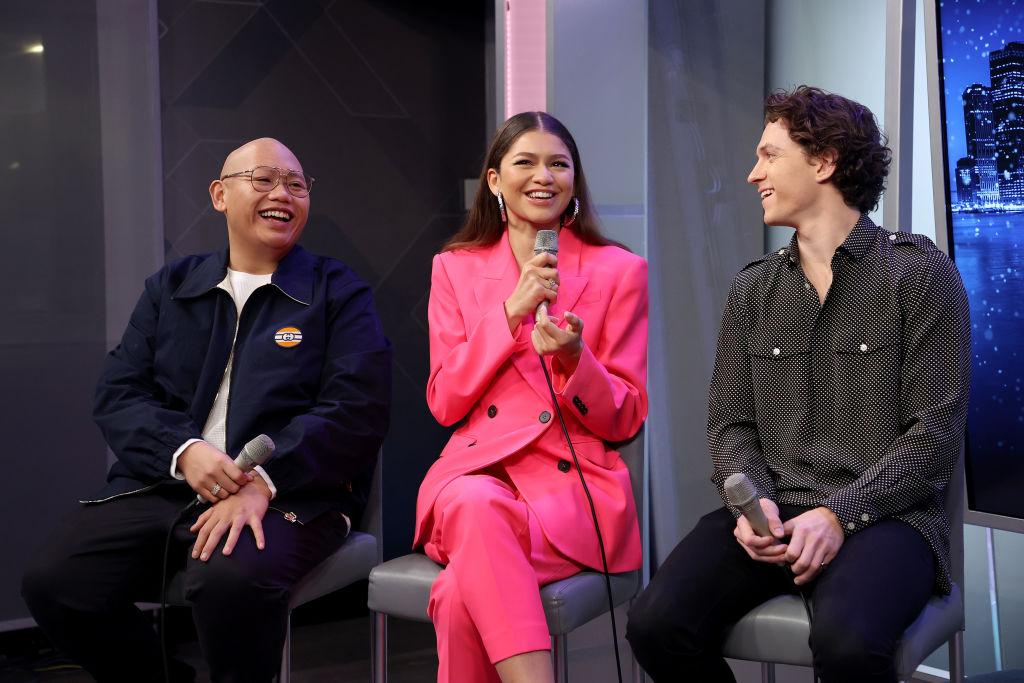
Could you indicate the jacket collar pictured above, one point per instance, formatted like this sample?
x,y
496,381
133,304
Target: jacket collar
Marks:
x,y
294,276
501,266
860,238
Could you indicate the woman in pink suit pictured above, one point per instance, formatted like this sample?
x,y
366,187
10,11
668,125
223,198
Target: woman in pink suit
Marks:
x,y
503,507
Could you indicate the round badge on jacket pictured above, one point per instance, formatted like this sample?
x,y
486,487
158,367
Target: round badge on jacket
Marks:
x,y
288,337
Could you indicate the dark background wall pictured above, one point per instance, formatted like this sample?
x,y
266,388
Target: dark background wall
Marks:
x,y
51,273
383,102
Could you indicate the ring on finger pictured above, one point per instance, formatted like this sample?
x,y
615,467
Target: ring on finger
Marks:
x,y
215,489
552,284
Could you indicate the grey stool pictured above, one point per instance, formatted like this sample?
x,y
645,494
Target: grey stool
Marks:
x,y
777,631
352,562
401,588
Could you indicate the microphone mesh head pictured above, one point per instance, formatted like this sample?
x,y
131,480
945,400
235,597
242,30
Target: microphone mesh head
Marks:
x,y
739,490
547,240
258,451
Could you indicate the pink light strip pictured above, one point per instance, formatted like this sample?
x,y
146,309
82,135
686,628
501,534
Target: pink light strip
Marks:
x,y
525,56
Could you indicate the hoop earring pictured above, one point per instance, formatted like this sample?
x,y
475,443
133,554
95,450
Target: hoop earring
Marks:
x,y
575,212
501,208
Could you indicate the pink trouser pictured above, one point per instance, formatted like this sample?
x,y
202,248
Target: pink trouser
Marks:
x,y
485,604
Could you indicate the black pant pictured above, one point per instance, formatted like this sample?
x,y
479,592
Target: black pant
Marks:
x,y
863,601
82,584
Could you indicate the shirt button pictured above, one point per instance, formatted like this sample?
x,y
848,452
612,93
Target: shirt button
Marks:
x,y
564,466
807,285
863,348
776,352
492,410
782,252
865,517
851,526
544,417
892,237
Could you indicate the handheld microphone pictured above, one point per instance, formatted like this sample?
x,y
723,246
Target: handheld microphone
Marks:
x,y
254,453
547,240
740,493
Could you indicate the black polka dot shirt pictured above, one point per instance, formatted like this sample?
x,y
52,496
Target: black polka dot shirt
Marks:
x,y
858,404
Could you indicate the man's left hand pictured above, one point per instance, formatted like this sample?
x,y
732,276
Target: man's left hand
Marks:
x,y
815,538
233,514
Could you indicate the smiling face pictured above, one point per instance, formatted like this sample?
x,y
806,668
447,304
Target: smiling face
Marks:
x,y
262,226
536,180
790,183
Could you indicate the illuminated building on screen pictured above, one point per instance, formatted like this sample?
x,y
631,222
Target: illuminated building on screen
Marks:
x,y
1006,68
981,144
968,182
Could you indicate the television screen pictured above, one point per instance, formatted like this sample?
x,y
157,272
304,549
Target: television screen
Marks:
x,y
981,45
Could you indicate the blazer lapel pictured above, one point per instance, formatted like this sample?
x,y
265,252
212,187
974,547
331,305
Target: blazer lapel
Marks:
x,y
571,282
499,277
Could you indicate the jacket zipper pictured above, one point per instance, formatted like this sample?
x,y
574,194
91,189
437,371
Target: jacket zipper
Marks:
x,y
120,495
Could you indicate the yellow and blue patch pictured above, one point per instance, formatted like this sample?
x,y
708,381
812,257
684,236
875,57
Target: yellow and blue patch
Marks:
x,y
288,337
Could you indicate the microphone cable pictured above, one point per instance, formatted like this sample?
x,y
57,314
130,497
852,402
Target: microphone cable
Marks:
x,y
593,515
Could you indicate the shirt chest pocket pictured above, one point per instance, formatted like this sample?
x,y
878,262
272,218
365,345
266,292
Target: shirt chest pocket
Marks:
x,y
779,367
867,364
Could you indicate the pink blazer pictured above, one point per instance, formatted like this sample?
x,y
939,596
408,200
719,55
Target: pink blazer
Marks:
x,y
492,382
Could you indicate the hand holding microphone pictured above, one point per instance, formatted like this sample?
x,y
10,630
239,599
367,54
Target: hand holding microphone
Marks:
x,y
759,529
213,476
538,282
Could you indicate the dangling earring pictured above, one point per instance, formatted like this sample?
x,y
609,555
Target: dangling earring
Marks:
x,y
575,212
501,208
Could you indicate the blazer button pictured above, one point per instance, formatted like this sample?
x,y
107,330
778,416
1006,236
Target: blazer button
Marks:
x,y
545,417
492,410
564,465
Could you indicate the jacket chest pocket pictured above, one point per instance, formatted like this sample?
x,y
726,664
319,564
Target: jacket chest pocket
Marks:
x,y
779,368
867,364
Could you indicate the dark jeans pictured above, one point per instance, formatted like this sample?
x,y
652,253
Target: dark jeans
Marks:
x,y
82,584
863,601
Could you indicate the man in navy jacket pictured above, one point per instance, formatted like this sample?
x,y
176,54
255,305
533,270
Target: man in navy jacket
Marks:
x,y
264,338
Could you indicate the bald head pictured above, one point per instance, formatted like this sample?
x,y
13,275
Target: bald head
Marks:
x,y
259,152
266,210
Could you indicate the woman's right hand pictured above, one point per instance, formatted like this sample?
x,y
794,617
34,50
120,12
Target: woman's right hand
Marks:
x,y
538,281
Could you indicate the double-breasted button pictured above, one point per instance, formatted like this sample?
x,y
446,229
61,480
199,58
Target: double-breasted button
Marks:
x,y
492,410
544,417
564,465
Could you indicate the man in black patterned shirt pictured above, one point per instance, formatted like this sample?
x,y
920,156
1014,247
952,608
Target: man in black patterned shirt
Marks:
x,y
840,389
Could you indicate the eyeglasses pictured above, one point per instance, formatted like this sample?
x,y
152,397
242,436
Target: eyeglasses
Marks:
x,y
266,178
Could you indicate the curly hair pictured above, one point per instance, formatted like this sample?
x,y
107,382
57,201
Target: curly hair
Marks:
x,y
824,124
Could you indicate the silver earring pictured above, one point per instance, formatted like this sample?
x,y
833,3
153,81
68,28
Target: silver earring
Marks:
x,y
501,208
575,213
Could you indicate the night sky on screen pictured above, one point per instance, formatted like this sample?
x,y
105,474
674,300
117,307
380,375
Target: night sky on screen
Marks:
x,y
970,30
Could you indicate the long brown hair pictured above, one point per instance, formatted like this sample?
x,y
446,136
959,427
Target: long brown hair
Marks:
x,y
483,224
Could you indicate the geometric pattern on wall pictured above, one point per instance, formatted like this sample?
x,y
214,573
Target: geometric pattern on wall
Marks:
x,y
384,103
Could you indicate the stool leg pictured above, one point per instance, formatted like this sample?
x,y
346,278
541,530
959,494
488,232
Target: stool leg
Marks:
x,y
560,655
956,658
638,673
379,647
767,672
284,676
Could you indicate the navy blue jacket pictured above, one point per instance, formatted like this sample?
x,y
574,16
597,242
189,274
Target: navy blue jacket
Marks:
x,y
325,401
